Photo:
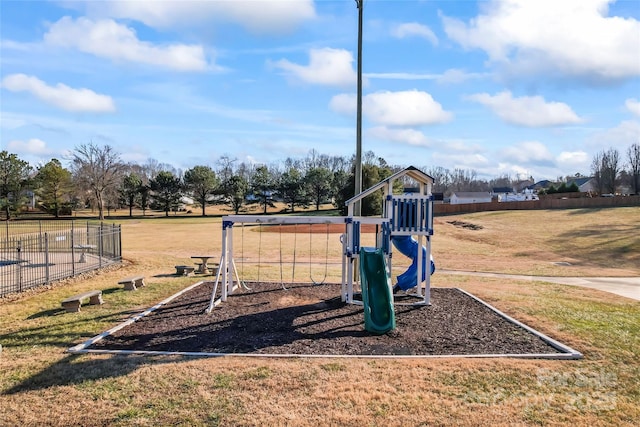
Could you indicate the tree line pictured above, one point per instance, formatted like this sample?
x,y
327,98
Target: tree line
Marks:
x,y
97,177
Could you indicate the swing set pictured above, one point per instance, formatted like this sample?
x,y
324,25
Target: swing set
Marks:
x,y
404,217
281,251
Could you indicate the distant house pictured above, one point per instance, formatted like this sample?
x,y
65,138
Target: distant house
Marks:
x,y
585,185
522,185
499,192
525,195
461,197
545,183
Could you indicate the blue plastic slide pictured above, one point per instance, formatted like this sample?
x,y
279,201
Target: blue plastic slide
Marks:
x,y
408,246
379,315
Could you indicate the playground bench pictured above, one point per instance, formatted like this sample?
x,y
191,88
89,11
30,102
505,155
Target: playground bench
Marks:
x,y
184,270
72,304
132,283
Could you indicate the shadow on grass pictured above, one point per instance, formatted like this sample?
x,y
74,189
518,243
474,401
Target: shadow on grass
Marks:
x,y
70,328
244,333
603,244
170,275
47,313
59,310
76,369
583,211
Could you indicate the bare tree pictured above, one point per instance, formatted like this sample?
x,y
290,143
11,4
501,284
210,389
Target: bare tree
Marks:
x,y
606,168
634,167
97,170
596,171
611,169
225,169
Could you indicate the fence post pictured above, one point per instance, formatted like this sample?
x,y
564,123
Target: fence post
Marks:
x,y
73,252
119,242
46,257
100,243
19,258
113,240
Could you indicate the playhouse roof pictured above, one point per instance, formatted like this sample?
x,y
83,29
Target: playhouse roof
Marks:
x,y
412,172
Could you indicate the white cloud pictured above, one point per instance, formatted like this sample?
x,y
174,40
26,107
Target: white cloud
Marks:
x,y
402,76
117,42
633,105
528,152
262,16
411,29
11,121
344,103
532,111
60,95
401,135
573,160
573,37
331,67
451,161
453,76
621,136
34,146
403,108
450,76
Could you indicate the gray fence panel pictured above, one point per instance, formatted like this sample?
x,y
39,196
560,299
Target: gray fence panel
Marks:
x,y
33,255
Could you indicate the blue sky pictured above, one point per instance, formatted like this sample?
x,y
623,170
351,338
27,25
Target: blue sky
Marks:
x,y
501,87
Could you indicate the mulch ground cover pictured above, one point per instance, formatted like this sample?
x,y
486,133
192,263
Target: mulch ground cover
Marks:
x,y
312,320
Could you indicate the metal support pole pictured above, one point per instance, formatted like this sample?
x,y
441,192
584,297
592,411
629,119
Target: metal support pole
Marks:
x,y
224,265
358,166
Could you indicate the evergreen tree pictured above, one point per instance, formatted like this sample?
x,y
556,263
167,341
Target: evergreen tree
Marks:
x,y
55,186
14,179
130,190
262,187
167,191
201,182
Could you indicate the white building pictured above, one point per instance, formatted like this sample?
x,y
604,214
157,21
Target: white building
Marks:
x,y
461,197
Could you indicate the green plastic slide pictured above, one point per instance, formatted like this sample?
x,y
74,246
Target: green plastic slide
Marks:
x,y
379,315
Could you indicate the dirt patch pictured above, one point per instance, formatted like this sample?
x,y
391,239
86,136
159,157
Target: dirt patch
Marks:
x,y
467,225
311,319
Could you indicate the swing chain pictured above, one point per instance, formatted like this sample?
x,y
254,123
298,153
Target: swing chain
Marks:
x,y
326,257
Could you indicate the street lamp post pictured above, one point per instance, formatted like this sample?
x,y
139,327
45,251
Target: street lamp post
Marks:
x,y
358,172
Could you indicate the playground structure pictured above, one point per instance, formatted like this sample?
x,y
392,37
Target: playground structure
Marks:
x,y
406,223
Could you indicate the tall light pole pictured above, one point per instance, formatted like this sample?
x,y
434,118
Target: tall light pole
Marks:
x,y
358,178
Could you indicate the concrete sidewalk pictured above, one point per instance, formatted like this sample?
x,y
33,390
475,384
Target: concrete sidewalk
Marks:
x,y
624,286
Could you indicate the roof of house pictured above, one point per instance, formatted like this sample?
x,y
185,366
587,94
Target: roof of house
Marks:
x,y
496,190
542,184
471,194
580,181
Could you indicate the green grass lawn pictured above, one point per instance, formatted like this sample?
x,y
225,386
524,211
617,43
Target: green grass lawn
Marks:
x,y
41,384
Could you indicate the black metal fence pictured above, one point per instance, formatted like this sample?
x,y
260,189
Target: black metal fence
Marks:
x,y
35,253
